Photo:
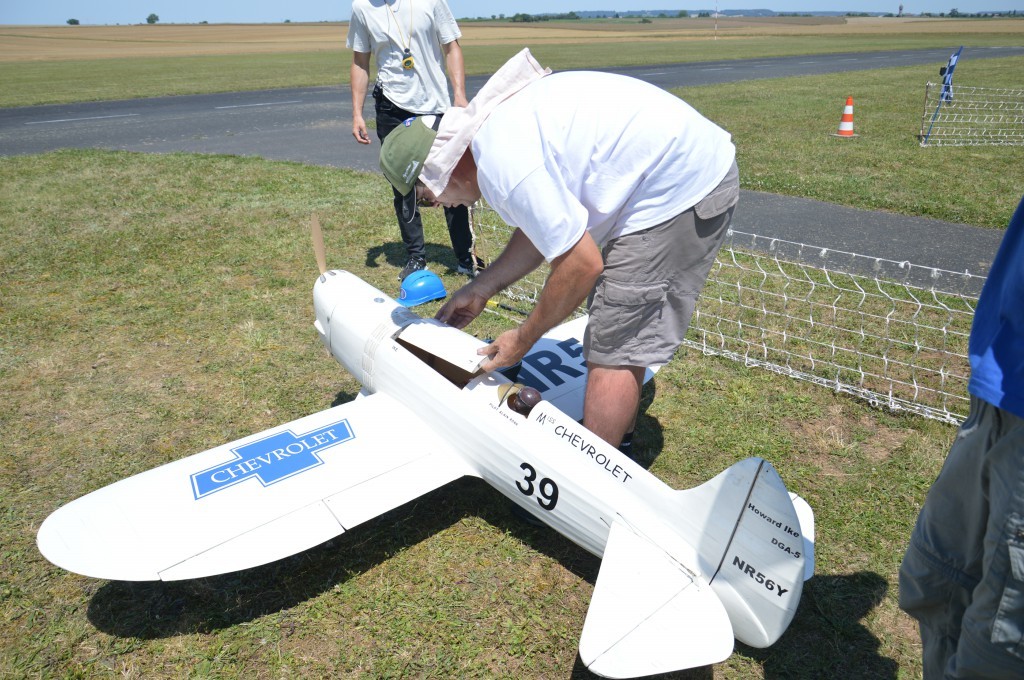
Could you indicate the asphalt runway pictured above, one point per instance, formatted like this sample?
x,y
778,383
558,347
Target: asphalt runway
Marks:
x,y
313,125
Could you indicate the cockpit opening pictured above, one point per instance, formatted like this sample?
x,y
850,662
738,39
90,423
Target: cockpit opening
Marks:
x,y
447,350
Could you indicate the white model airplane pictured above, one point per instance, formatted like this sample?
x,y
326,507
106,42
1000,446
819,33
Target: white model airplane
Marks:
x,y
683,572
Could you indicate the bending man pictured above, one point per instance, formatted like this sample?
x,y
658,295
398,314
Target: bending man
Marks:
x,y
625,190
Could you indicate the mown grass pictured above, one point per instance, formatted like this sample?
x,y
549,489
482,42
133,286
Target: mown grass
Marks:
x,y
154,306
30,82
783,130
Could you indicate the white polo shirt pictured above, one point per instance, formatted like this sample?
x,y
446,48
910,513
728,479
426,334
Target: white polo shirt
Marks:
x,y
385,29
586,151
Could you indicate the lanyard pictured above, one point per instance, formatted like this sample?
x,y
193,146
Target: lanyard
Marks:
x,y
407,60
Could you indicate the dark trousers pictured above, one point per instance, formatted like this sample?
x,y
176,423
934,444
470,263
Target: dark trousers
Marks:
x,y
390,116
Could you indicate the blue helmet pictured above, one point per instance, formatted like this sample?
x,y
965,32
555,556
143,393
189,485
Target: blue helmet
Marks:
x,y
419,287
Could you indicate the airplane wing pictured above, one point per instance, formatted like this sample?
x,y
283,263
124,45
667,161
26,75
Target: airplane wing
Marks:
x,y
255,500
649,614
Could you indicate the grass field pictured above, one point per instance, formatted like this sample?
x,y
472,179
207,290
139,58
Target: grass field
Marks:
x,y
75,43
792,120
155,306
58,64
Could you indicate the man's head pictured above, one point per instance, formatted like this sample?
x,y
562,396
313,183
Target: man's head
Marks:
x,y
402,155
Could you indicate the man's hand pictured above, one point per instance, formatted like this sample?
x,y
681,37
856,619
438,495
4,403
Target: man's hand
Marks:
x,y
464,305
359,130
508,349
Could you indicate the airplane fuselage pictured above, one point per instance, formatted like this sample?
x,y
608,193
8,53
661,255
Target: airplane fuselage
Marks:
x,y
546,462
533,464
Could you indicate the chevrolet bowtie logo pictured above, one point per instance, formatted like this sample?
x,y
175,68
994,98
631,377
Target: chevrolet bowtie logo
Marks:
x,y
272,459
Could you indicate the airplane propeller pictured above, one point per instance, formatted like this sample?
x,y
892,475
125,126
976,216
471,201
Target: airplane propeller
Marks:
x,y
318,243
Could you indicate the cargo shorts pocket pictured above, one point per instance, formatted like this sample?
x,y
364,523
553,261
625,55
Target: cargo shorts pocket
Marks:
x,y
717,202
1008,627
722,197
627,312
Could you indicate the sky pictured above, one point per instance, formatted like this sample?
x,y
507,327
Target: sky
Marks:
x,y
267,11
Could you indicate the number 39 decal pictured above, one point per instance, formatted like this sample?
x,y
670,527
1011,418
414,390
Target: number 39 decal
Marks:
x,y
546,489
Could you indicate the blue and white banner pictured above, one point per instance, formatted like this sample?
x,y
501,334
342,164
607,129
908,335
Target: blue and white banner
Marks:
x,y
947,76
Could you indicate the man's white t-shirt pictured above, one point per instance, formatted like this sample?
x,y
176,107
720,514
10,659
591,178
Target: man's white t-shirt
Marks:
x,y
386,28
586,151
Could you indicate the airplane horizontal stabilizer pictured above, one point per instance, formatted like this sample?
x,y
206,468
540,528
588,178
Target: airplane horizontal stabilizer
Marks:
x,y
805,513
650,614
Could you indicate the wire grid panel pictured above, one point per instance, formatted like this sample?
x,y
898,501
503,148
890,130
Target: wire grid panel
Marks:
x,y
893,333
813,314
973,116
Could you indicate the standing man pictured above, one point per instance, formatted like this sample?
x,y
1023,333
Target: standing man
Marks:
x,y
412,42
624,189
962,577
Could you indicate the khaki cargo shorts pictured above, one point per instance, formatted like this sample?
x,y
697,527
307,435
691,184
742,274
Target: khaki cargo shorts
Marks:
x,y
644,299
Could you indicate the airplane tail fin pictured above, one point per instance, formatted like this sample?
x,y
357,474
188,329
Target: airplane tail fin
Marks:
x,y
753,548
755,545
649,614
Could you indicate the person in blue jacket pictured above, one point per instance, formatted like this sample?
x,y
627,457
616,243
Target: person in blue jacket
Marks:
x,y
962,577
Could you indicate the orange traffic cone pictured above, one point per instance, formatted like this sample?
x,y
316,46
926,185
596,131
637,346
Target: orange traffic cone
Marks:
x,y
846,123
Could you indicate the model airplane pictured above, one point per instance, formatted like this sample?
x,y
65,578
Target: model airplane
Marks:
x,y
683,572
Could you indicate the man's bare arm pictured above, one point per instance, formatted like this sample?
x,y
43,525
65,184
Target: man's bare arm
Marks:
x,y
359,77
572,277
456,72
518,259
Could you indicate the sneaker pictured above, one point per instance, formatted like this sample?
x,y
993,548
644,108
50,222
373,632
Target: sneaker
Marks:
x,y
471,267
413,265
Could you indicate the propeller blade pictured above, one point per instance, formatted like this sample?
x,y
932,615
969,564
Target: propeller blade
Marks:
x,y
318,243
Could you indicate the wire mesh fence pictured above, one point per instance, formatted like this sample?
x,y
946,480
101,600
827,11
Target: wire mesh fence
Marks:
x,y
972,116
893,333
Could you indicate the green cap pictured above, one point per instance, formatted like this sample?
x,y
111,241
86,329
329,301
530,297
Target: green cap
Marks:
x,y
403,152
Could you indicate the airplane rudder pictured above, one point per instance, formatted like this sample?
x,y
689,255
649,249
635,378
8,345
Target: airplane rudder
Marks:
x,y
762,569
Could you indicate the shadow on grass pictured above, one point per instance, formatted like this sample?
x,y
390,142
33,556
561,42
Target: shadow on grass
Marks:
x,y
154,610
158,609
581,672
395,254
392,253
649,438
825,640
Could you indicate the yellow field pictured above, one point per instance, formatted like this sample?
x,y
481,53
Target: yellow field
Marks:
x,y
63,43
67,43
